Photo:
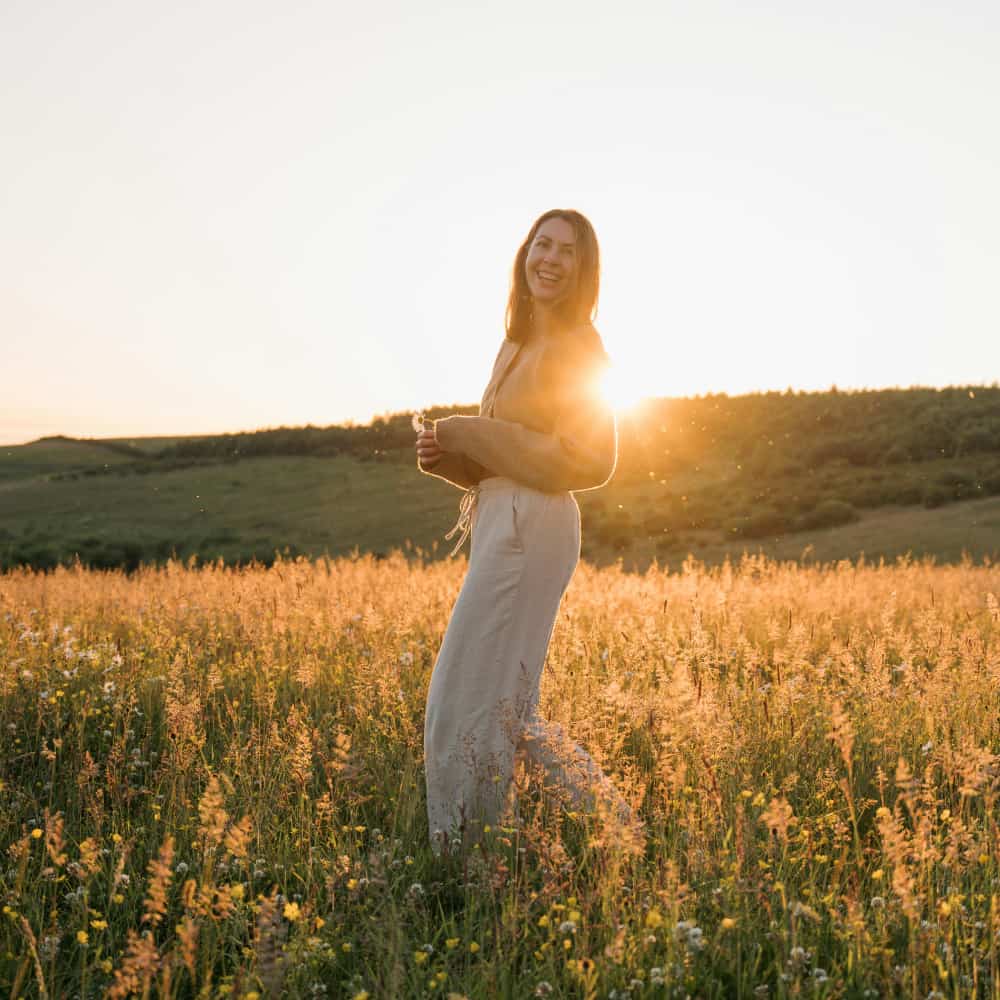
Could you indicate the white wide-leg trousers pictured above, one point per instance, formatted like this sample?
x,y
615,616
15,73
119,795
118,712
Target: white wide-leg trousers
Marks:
x,y
483,696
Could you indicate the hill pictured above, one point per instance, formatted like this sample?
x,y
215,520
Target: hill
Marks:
x,y
878,472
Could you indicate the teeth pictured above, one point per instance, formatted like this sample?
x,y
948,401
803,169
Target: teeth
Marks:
x,y
547,276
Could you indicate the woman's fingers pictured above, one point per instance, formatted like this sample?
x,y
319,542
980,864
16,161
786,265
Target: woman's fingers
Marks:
x,y
427,445
428,448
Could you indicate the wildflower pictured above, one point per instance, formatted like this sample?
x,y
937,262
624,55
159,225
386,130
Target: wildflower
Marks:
x,y
361,995
452,943
291,912
347,947
36,834
420,957
83,937
543,989
473,947
877,902
352,884
99,925
567,927
878,875
654,919
543,920
656,977
728,923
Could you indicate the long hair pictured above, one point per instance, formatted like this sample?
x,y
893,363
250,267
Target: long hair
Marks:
x,y
580,305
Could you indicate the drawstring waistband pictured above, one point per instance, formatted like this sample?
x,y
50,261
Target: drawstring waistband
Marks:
x,y
464,522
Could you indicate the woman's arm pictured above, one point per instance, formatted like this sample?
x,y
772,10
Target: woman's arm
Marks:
x,y
454,468
579,454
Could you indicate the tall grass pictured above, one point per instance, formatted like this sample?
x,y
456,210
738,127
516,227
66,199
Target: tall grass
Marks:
x,y
211,784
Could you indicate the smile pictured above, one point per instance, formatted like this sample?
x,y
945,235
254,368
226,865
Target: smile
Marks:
x,y
548,277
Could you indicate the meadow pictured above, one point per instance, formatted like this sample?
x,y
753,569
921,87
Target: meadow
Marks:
x,y
211,785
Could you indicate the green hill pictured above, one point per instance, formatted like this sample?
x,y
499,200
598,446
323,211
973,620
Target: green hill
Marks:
x,y
833,473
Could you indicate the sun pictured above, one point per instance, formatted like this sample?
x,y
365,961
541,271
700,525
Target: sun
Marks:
x,y
620,390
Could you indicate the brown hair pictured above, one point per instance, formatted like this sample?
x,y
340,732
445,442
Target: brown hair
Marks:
x,y
580,306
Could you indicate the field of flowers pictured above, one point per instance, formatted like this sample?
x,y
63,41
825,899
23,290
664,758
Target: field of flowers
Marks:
x,y
211,785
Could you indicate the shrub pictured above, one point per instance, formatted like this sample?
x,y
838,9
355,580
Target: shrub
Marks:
x,y
897,453
937,496
827,514
907,493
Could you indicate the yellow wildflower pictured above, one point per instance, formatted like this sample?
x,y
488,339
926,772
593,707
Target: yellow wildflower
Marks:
x,y
82,937
728,923
292,912
36,834
473,947
420,957
654,919
452,943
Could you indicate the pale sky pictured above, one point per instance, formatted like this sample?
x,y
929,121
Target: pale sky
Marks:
x,y
220,216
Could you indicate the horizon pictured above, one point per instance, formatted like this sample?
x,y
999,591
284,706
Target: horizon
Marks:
x,y
621,412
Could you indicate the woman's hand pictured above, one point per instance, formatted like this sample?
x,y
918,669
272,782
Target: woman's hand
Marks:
x,y
428,450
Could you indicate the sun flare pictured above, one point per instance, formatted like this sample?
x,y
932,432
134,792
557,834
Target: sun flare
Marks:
x,y
621,391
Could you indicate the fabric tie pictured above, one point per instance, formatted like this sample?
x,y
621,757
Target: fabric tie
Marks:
x,y
464,522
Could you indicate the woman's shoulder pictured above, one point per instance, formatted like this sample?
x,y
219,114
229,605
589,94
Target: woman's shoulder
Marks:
x,y
581,346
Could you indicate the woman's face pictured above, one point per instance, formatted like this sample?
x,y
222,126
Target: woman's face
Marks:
x,y
550,267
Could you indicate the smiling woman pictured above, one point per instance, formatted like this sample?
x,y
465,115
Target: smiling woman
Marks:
x,y
543,431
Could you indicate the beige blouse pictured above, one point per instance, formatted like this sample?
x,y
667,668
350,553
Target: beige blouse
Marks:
x,y
542,421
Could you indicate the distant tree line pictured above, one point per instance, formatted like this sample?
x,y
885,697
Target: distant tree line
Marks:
x,y
787,429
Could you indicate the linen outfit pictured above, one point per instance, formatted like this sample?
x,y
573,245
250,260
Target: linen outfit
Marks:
x,y
543,431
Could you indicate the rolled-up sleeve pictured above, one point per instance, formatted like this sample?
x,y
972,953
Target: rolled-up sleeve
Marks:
x,y
454,468
580,453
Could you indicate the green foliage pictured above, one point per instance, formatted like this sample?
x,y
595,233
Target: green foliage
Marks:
x,y
712,470
827,514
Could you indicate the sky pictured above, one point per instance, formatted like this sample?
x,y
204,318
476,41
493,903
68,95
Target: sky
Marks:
x,y
221,216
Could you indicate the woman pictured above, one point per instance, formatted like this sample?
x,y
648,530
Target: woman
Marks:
x,y
543,431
